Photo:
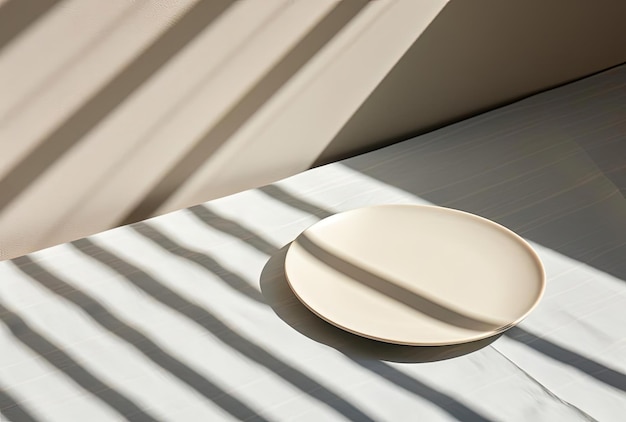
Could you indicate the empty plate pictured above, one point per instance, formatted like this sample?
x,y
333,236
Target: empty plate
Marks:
x,y
415,275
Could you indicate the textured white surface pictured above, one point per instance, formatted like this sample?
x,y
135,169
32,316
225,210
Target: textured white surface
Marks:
x,y
222,273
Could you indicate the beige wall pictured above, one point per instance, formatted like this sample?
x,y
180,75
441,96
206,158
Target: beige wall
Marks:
x,y
114,111
479,54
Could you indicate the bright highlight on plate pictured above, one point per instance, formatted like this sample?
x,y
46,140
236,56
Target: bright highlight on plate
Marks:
x,y
415,275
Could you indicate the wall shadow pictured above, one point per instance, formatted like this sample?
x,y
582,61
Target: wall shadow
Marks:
x,y
287,307
102,103
550,167
476,57
17,15
248,105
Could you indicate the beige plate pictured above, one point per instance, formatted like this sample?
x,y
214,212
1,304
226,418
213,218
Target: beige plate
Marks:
x,y
416,275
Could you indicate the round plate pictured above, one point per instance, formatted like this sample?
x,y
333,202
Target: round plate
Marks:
x,y
415,275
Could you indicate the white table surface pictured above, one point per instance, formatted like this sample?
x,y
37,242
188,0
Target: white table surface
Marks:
x,y
188,317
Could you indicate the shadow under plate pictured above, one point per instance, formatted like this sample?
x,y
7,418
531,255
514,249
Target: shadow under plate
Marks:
x,y
282,300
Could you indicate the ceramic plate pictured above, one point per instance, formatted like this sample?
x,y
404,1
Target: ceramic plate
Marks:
x,y
415,275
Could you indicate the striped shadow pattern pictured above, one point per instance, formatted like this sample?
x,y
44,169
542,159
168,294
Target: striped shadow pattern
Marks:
x,y
17,15
188,317
201,273
113,120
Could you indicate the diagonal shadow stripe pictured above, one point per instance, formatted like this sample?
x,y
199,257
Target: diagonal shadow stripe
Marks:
x,y
254,99
205,261
101,104
57,73
12,410
17,15
71,368
445,402
107,320
232,228
286,198
592,368
221,331
392,290
365,352
588,366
